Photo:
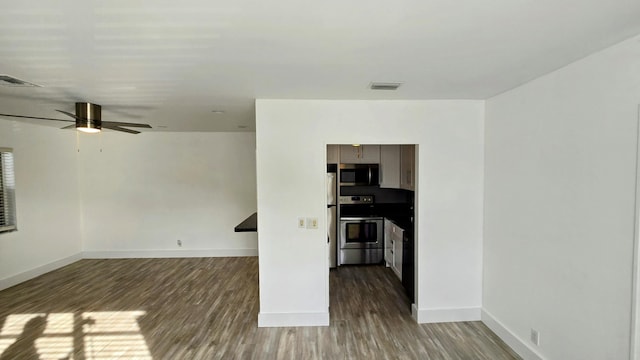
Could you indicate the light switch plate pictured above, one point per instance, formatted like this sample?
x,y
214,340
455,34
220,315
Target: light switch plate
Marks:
x,y
301,223
312,223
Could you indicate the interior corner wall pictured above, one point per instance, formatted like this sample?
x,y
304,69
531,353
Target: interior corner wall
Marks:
x,y
291,139
47,202
142,193
560,176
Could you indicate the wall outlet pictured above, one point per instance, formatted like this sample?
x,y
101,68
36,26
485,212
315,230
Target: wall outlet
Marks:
x,y
312,223
179,243
301,223
535,337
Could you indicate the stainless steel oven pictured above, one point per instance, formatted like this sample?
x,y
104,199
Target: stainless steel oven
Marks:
x,y
361,240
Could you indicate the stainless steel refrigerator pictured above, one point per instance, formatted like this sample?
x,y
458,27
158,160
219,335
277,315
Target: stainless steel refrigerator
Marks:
x,y
332,221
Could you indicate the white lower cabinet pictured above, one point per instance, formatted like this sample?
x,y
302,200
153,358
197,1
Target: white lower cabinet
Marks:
x,y
397,252
388,243
393,237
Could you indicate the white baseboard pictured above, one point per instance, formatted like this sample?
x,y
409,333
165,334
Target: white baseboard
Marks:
x,y
129,254
517,344
40,270
293,319
426,316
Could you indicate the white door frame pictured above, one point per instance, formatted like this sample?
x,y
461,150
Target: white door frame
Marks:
x,y
634,351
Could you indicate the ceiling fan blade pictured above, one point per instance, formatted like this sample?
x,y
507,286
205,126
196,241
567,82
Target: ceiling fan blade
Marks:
x,y
35,117
69,114
94,121
118,123
117,128
123,113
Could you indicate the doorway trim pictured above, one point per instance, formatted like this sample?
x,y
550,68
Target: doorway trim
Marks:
x,y
634,343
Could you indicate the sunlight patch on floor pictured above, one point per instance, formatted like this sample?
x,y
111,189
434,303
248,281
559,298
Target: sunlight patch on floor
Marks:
x,y
90,335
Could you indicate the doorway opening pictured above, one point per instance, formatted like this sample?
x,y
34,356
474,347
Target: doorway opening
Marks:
x,y
371,232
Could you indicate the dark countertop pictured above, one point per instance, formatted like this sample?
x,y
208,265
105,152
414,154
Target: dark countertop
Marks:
x,y
249,224
402,221
399,214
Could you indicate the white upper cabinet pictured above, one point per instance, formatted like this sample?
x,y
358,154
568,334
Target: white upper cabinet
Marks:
x,y
333,154
407,167
390,166
363,154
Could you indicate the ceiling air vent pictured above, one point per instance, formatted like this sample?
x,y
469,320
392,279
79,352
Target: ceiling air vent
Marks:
x,y
6,80
384,85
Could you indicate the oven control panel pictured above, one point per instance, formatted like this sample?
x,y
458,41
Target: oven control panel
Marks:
x,y
356,199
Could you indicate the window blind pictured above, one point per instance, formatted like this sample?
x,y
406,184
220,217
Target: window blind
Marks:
x,y
7,191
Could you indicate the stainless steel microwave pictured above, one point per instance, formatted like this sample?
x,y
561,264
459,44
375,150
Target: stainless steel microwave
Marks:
x,y
359,174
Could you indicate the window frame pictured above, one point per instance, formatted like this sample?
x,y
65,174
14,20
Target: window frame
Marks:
x,y
7,191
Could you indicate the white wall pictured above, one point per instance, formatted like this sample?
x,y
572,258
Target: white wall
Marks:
x,y
559,208
47,202
135,197
291,143
141,193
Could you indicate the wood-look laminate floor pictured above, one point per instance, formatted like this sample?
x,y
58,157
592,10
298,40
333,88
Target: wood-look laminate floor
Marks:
x,y
207,308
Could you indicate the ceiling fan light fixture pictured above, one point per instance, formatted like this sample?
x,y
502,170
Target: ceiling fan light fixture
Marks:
x,y
88,130
88,117
88,126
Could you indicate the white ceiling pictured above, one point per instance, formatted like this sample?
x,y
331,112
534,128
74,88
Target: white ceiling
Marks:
x,y
170,63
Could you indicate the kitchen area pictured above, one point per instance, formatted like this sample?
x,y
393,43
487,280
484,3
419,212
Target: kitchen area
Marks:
x,y
370,208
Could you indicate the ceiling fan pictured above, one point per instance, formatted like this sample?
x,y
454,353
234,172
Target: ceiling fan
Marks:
x,y
88,119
